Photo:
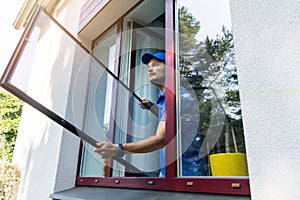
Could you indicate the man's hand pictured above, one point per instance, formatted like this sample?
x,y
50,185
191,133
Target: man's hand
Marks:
x,y
106,149
146,104
149,105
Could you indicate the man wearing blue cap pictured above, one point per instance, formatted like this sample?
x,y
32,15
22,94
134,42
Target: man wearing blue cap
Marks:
x,y
192,165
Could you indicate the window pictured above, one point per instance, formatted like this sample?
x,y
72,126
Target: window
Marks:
x,y
203,110
207,77
117,111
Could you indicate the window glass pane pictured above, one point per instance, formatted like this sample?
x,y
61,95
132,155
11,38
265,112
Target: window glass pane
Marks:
x,y
44,71
99,102
209,112
53,73
143,32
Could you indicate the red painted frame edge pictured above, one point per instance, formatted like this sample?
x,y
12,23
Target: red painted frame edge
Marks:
x,y
233,186
170,83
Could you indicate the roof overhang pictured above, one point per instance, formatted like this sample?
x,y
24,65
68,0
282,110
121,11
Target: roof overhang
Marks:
x,y
51,6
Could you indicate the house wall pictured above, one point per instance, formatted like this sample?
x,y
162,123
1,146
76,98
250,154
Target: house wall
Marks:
x,y
267,44
46,155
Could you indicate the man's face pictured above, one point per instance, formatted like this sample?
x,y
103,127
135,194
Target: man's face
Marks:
x,y
156,72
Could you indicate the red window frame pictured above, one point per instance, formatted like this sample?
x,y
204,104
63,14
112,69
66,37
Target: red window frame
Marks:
x,y
236,186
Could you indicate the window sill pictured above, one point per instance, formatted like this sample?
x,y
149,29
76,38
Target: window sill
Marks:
x,y
103,193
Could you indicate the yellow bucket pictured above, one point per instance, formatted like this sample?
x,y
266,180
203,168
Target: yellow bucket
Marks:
x,y
229,164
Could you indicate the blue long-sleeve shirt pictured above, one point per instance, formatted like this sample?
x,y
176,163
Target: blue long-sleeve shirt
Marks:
x,y
192,163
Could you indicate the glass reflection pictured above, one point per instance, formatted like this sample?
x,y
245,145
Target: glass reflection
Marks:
x,y
208,77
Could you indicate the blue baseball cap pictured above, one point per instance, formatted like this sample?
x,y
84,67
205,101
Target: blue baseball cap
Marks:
x,y
146,57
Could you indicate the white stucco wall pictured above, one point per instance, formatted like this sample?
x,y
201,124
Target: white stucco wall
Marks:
x,y
267,44
46,154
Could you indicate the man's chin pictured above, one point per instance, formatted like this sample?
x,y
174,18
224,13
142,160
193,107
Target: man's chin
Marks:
x,y
157,83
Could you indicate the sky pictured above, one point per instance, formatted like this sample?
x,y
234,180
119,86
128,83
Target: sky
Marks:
x,y
212,14
8,35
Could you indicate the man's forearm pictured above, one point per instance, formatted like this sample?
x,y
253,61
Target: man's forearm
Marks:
x,y
144,146
149,144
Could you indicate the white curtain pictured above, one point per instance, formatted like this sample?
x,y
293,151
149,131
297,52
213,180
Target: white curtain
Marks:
x,y
143,123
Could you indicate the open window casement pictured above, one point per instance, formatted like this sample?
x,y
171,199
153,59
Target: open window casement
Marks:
x,y
53,73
